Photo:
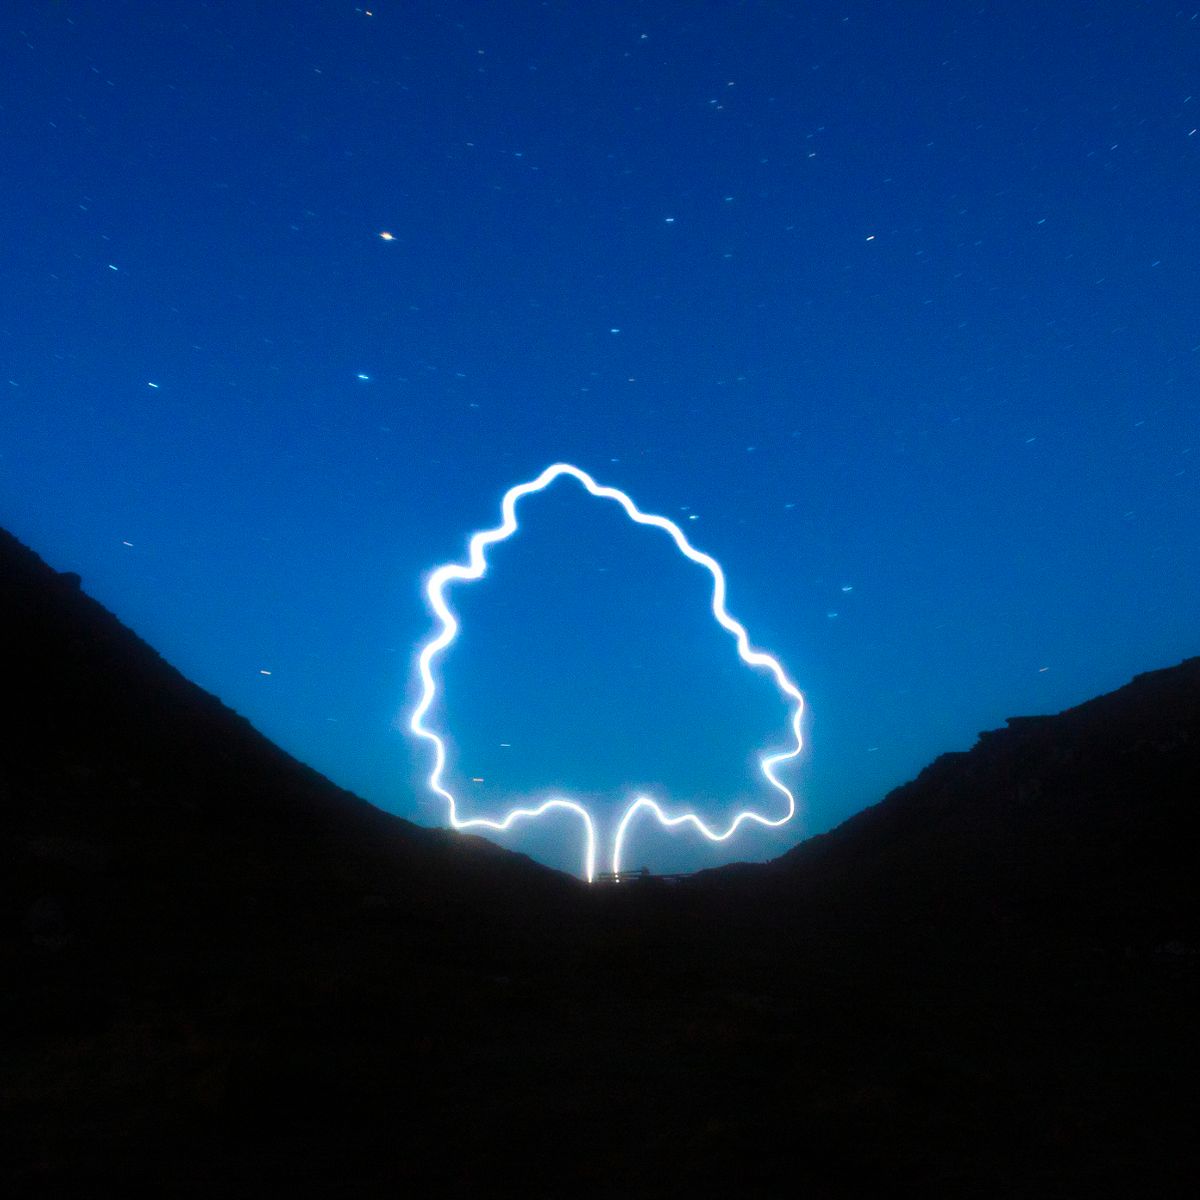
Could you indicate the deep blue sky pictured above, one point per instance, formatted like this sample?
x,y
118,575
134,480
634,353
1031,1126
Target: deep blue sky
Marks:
x,y
889,297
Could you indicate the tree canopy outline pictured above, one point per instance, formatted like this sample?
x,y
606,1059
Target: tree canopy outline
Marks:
x,y
475,568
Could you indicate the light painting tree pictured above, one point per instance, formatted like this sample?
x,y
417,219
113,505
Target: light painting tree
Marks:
x,y
444,577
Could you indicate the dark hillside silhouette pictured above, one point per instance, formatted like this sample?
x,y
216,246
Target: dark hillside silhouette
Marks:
x,y
113,761
1085,823
223,974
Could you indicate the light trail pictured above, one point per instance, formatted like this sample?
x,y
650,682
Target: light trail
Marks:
x,y
475,568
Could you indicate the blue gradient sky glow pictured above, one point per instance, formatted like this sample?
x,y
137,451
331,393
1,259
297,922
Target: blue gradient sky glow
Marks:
x,y
894,307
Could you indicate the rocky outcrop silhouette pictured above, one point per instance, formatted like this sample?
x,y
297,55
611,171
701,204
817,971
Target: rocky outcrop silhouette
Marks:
x,y
1083,824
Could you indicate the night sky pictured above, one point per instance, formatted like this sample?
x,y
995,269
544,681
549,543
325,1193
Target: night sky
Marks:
x,y
893,306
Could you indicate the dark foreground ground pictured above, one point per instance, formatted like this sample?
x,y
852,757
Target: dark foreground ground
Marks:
x,y
223,975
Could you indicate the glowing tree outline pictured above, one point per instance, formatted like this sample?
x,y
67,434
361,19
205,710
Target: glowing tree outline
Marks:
x,y
474,570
